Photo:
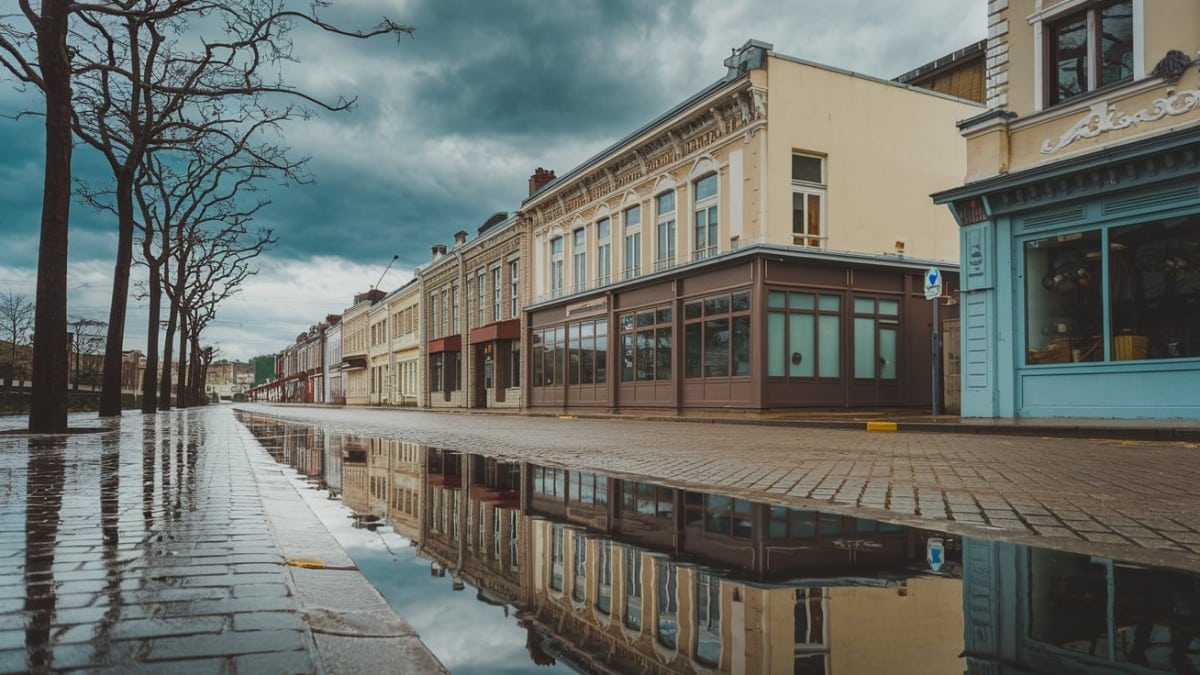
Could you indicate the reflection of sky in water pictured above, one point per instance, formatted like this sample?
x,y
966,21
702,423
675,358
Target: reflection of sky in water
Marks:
x,y
467,635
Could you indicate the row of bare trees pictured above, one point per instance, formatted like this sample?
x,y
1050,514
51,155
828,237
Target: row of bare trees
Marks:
x,y
184,100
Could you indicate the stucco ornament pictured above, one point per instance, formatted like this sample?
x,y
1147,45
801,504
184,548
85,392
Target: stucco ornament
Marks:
x,y
1104,117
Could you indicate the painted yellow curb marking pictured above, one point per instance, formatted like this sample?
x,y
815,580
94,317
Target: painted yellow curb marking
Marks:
x,y
307,563
881,426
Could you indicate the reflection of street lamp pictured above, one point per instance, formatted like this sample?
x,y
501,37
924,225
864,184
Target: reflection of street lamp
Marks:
x,y
385,270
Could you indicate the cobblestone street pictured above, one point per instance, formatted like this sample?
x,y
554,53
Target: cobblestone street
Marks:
x,y
1130,499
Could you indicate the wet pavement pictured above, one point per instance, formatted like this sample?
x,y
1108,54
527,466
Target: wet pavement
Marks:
x,y
1137,497
519,561
161,545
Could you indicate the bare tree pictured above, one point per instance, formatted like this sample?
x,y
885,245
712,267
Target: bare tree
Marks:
x,y
16,324
86,341
37,55
134,86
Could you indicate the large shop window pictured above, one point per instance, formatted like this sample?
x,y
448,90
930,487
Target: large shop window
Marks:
x,y
1089,49
578,351
803,334
717,336
1151,272
646,345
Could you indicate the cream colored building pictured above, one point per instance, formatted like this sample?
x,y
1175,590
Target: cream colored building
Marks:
x,y
1080,216
356,343
761,245
404,330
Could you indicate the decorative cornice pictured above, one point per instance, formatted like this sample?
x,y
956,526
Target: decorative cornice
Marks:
x,y
691,135
1104,117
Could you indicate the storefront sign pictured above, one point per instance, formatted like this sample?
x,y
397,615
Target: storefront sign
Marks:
x,y
587,308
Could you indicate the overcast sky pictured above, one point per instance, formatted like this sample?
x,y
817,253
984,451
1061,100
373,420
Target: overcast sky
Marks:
x,y
450,124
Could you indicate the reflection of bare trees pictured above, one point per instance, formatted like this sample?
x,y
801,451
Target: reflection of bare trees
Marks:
x,y
45,472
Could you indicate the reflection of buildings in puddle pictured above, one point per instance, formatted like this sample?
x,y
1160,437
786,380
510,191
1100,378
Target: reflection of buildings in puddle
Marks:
x,y
1067,611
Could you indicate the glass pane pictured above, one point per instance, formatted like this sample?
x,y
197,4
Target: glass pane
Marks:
x,y
802,300
601,356
693,310
801,354
663,315
627,357
741,301
1154,276
829,303
645,318
716,348
799,222
587,356
645,355
741,345
633,216
1063,310
1069,59
717,305
864,348
1116,43
626,321
665,203
813,215
830,524
776,344
829,345
806,168
662,359
776,299
803,525
889,308
706,187
604,228
887,353
864,305
692,350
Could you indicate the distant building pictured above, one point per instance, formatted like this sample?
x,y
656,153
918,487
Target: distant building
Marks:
x,y
960,74
264,369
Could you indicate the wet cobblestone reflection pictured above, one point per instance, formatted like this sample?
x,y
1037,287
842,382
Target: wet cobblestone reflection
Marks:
x,y
144,548
573,568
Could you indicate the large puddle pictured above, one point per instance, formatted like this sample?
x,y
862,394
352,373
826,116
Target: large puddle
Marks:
x,y
511,567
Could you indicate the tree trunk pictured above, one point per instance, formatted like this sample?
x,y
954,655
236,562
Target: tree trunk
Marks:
x,y
110,390
164,387
48,409
150,377
181,386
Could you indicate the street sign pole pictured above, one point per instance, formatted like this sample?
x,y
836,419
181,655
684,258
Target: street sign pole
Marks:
x,y
933,291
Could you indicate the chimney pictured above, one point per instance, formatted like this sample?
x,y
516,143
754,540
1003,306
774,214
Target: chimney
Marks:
x,y
539,179
460,238
439,250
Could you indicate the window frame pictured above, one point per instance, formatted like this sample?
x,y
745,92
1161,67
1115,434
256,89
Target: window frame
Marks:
x,y
665,231
631,259
1092,14
710,229
808,191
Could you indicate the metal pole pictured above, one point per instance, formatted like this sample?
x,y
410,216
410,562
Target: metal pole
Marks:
x,y
937,359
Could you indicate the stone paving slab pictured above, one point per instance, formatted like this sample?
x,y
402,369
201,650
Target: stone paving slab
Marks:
x,y
155,547
1131,499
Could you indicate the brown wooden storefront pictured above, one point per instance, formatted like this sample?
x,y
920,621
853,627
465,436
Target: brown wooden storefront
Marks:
x,y
758,329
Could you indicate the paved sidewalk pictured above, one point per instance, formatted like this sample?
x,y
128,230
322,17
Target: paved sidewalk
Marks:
x,y
1133,499
161,545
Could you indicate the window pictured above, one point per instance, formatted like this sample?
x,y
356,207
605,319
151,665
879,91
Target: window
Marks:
x,y
557,559
556,267
481,285
810,655
633,242
514,300
803,334
876,335
549,347
604,251
579,582
664,206
633,589
718,514
515,365
717,336
648,500
454,310
434,315
436,371
1089,49
497,295
587,488
667,602
808,200
1153,282
705,222
446,311
646,344
578,261
708,619
588,353
604,576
